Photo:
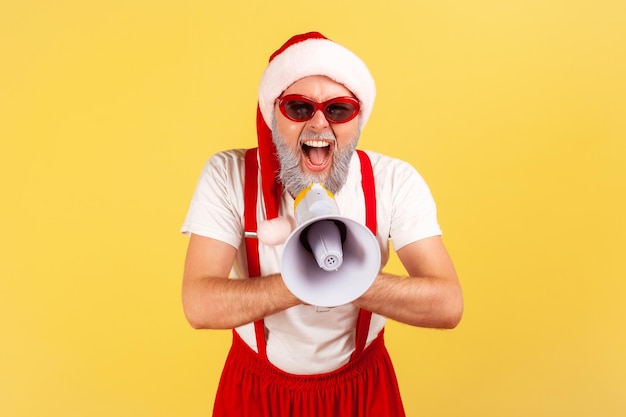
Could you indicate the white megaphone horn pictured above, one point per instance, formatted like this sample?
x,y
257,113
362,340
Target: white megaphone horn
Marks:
x,y
328,260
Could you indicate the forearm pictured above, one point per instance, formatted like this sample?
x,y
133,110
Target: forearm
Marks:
x,y
423,302
220,303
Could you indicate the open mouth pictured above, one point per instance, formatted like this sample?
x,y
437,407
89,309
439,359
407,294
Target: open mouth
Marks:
x,y
317,152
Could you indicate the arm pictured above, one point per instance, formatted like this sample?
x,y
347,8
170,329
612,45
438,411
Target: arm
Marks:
x,y
211,300
430,296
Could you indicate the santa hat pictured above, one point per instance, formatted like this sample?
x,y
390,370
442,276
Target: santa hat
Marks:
x,y
302,56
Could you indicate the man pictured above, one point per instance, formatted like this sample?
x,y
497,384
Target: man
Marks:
x,y
289,358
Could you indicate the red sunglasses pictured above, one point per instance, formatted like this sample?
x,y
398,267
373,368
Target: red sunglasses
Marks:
x,y
298,108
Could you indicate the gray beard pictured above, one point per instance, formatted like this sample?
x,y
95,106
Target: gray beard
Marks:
x,y
294,179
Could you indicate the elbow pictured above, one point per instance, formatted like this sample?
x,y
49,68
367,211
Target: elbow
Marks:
x,y
194,319
202,318
196,316
196,324
453,311
197,310
445,312
452,319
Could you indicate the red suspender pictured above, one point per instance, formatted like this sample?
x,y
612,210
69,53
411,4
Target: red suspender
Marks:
x,y
252,249
251,186
369,192
249,214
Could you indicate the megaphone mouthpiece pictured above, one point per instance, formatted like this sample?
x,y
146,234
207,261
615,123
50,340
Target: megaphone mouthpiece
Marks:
x,y
324,239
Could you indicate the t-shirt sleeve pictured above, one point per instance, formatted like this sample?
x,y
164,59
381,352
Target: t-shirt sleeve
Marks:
x,y
214,211
414,212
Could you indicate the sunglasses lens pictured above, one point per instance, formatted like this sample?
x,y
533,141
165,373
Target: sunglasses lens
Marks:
x,y
299,110
340,111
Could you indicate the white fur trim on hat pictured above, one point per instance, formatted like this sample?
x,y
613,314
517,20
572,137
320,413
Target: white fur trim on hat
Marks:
x,y
316,57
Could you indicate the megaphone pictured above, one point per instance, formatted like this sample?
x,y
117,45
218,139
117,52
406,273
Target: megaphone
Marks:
x,y
328,260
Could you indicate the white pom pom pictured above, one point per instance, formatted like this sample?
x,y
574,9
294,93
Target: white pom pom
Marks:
x,y
274,232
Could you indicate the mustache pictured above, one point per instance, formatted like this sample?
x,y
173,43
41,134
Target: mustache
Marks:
x,y
325,135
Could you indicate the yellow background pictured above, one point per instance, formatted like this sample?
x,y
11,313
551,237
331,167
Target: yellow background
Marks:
x,y
513,111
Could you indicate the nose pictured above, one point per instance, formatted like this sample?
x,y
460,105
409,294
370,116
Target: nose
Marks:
x,y
318,122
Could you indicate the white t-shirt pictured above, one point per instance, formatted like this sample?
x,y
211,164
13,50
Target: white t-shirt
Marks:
x,y
302,340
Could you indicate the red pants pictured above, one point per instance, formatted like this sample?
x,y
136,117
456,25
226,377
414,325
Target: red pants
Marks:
x,y
252,387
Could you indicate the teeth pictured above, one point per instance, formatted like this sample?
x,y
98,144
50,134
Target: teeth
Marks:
x,y
316,143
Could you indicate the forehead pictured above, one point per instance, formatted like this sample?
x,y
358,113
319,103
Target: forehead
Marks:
x,y
318,87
